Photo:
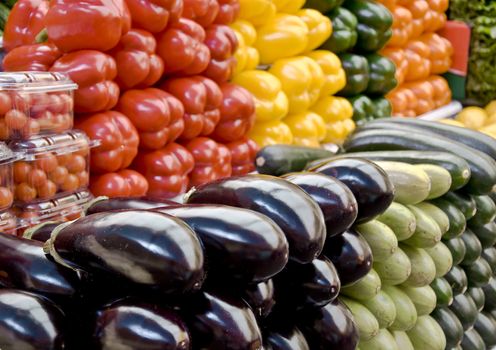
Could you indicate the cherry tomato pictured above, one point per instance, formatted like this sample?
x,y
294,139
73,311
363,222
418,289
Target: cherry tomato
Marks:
x,y
59,175
37,178
71,183
46,162
47,191
15,119
40,103
32,128
5,103
84,178
21,172
67,103
6,198
4,130
56,104
24,192
76,164
62,159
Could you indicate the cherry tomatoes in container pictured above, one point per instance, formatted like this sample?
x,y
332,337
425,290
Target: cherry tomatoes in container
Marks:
x,y
7,158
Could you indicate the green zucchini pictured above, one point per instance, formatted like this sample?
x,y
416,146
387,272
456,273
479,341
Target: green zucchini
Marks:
x,y
406,314
382,307
479,273
444,294
486,327
394,270
455,216
486,211
411,184
490,293
402,340
473,248
283,159
442,258
427,334
366,288
483,167
400,219
464,202
383,340
436,214
424,298
4,15
457,279
465,310
380,238
489,254
478,296
486,234
457,249
423,268
440,179
450,325
427,233
367,324
473,341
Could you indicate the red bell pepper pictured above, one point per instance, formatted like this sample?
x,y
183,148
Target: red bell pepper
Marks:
x,y
137,63
237,113
201,98
243,153
93,71
154,15
202,12
26,21
228,11
36,57
90,24
182,49
166,170
157,115
212,160
125,183
118,140
222,43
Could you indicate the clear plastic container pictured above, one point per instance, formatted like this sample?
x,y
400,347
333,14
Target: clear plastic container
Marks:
x,y
35,103
7,158
8,223
51,166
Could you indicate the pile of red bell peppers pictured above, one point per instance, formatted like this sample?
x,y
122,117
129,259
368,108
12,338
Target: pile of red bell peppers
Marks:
x,y
154,87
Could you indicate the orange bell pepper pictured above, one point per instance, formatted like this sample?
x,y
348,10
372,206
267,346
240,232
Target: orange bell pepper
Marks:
x,y
37,57
441,52
424,92
419,10
398,56
419,66
442,92
437,22
403,102
390,4
402,27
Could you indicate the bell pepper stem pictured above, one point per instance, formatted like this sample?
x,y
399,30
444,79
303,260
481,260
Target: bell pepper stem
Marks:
x,y
42,36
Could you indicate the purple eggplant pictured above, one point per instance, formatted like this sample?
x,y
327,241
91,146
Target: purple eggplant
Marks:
x,y
110,204
289,206
221,323
370,185
260,297
330,327
334,198
285,338
146,248
25,266
29,322
351,255
143,327
41,232
311,285
239,243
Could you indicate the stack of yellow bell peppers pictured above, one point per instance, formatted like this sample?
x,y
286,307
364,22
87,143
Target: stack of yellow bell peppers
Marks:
x,y
292,82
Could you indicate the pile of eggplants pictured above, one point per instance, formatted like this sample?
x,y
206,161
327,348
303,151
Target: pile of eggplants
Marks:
x,y
245,263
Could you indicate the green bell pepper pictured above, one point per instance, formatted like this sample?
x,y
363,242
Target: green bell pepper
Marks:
x,y
323,6
344,33
363,108
381,75
356,69
374,24
382,108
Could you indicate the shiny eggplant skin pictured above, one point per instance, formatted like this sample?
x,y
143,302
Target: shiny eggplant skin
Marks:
x,y
350,254
143,327
23,265
42,232
260,297
311,285
146,248
110,204
240,244
330,327
334,198
29,322
285,338
296,213
369,183
218,322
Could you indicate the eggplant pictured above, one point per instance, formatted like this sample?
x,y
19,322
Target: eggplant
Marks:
x,y
289,206
143,327
260,297
24,266
330,327
146,248
29,322
285,338
41,232
239,244
334,198
102,204
221,323
351,255
370,185
310,285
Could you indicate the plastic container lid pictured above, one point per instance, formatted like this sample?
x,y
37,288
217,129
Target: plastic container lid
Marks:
x,y
35,82
6,155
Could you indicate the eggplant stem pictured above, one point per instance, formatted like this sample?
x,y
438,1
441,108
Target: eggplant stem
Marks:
x,y
49,246
188,194
92,202
32,230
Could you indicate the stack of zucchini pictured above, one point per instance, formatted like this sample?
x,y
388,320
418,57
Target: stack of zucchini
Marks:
x,y
5,7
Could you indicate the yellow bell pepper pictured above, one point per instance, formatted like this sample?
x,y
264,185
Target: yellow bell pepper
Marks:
x,y
301,79
489,130
336,113
271,133
246,55
282,36
258,12
308,128
271,102
335,77
289,6
319,27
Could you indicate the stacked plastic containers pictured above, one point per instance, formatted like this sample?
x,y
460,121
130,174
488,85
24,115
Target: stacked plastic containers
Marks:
x,y
44,166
